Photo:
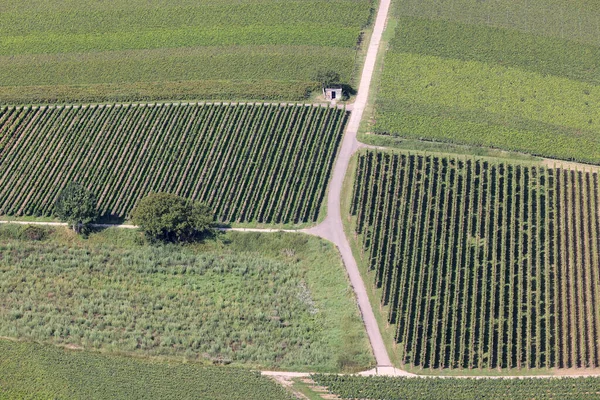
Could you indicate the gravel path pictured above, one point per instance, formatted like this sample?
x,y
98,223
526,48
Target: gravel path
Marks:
x,y
332,228
126,226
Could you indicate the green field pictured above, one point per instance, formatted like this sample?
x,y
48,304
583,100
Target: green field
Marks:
x,y
514,75
265,300
379,388
481,264
34,371
57,51
249,163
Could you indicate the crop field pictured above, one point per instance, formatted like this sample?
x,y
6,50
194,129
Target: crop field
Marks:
x,y
250,163
482,264
514,75
125,50
263,300
379,388
34,371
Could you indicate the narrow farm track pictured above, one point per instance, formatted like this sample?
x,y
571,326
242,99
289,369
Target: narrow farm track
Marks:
x,y
127,226
332,228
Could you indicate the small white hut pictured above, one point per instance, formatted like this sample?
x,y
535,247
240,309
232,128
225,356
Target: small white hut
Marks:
x,y
333,92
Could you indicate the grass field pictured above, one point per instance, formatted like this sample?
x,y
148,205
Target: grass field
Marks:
x,y
251,163
56,51
505,75
482,264
379,388
265,300
34,371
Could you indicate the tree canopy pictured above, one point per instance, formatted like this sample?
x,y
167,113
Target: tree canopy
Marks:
x,y
76,206
168,217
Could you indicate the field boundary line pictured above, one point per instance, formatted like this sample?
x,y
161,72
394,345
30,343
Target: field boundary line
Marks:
x,y
342,106
129,226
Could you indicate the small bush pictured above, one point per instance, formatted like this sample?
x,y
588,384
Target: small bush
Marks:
x,y
36,233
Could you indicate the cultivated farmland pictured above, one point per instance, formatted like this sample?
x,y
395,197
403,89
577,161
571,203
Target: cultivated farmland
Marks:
x,y
31,370
124,50
482,264
250,163
513,75
380,387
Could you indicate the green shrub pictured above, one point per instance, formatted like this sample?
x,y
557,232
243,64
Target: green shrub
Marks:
x,y
35,232
168,217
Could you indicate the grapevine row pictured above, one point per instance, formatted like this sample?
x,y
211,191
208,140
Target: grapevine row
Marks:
x,y
482,264
250,163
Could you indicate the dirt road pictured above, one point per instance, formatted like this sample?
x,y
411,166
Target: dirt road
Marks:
x,y
332,228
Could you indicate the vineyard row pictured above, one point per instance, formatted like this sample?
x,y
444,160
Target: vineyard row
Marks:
x,y
250,163
482,264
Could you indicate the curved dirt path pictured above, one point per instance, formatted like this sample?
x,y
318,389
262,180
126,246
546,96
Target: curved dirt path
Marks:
x,y
332,228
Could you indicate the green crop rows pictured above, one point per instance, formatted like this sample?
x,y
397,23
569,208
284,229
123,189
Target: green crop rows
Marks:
x,y
577,20
504,75
124,50
262,163
379,388
482,264
34,371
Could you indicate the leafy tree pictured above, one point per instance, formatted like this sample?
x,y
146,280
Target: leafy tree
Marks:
x,y
168,217
327,78
76,206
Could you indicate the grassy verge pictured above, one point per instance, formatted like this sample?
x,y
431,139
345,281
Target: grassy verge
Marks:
x,y
303,388
394,142
369,112
348,221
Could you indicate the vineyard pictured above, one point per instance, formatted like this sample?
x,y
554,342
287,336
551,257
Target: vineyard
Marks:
x,y
375,388
493,74
142,50
35,371
250,163
482,264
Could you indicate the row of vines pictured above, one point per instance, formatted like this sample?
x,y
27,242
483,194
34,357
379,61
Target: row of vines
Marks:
x,y
395,388
482,264
250,163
